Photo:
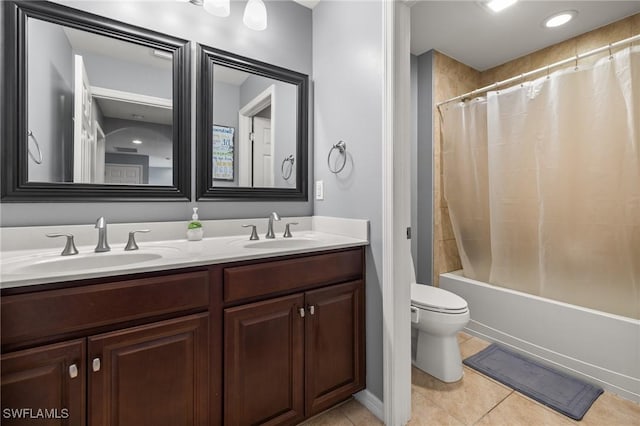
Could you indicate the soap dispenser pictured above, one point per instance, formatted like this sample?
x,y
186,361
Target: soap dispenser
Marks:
x,y
194,230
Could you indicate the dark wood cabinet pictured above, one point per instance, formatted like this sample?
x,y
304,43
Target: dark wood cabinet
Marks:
x,y
44,385
269,341
334,345
155,374
131,365
264,364
291,357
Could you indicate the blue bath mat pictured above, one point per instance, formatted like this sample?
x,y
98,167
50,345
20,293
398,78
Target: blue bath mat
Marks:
x,y
565,394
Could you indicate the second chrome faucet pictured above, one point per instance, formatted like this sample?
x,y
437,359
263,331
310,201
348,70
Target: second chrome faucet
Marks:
x,y
273,216
101,226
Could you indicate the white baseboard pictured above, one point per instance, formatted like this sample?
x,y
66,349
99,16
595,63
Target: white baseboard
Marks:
x,y
372,403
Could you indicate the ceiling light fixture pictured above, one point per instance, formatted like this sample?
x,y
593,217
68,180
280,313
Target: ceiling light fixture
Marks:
x,y
220,8
559,18
499,5
255,12
136,141
255,15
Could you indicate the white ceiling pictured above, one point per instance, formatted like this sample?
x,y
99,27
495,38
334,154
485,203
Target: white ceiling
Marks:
x,y
469,33
86,42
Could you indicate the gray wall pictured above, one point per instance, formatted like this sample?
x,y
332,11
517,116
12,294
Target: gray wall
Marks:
x,y
348,85
161,176
424,169
50,78
226,104
286,43
413,176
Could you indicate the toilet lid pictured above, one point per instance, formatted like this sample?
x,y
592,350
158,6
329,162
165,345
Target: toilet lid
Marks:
x,y
436,299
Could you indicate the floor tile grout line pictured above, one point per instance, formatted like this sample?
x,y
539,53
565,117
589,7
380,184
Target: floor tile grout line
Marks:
x,y
494,407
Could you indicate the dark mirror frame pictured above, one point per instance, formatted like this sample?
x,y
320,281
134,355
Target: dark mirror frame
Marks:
x,y
15,186
206,58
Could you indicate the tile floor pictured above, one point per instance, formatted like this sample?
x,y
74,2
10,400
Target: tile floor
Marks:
x,y
478,400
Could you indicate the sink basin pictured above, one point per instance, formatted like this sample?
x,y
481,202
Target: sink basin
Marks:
x,y
292,243
83,262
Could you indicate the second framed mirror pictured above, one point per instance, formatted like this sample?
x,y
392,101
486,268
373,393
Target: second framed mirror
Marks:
x,y
252,129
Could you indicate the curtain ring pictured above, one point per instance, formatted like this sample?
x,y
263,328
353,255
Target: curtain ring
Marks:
x,y
548,71
341,146
610,53
39,159
496,88
576,68
289,160
522,80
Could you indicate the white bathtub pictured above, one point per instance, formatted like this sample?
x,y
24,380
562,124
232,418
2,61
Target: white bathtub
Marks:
x,y
601,348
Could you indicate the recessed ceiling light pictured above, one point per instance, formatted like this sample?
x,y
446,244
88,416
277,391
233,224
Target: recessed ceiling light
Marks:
x,y
136,141
500,5
559,18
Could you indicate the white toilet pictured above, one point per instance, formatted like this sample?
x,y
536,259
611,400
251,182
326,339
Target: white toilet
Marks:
x,y
438,315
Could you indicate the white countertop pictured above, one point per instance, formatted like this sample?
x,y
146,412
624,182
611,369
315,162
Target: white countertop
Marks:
x,y
24,267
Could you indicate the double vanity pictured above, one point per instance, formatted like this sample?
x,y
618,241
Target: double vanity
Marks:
x,y
149,328
220,331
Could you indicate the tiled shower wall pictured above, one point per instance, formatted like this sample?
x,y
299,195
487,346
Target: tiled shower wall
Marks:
x,y
452,78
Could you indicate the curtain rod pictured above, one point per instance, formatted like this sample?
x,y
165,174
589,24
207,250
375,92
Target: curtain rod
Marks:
x,y
546,68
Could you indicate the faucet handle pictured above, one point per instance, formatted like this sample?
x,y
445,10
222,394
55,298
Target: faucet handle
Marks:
x,y
254,232
131,243
70,247
287,232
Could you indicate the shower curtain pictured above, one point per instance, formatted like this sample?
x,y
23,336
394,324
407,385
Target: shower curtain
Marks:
x,y
543,185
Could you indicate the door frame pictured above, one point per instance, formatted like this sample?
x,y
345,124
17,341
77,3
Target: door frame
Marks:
x,y
396,209
262,100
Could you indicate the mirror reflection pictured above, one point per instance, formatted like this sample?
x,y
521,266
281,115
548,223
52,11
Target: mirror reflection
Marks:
x,y
254,130
99,109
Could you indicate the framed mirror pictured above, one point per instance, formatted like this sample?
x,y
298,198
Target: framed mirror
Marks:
x,y
252,129
93,109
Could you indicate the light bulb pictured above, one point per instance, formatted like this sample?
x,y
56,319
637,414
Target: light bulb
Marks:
x,y
255,15
560,19
500,5
217,7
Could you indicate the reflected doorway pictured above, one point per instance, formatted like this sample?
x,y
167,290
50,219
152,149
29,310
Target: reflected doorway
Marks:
x,y
255,153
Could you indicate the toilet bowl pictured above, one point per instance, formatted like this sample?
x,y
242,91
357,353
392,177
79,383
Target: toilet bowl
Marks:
x,y
438,315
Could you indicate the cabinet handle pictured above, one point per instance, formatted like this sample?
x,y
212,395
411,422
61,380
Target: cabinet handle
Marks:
x,y
73,371
96,364
301,310
312,309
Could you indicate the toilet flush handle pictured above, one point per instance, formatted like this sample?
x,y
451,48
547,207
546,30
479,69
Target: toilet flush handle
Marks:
x,y
415,314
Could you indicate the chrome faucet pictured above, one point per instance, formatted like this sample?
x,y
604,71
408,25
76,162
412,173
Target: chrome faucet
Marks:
x,y
101,226
273,216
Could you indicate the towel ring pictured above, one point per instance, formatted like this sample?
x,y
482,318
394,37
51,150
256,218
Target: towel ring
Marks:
x,y
341,146
33,157
289,160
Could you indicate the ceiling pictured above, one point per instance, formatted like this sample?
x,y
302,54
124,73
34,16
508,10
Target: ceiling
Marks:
x,y
469,33
87,42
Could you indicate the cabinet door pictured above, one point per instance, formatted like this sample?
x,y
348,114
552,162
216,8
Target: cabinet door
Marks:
x,y
49,381
334,349
155,374
263,360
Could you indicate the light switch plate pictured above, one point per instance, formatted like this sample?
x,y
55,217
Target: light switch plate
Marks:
x,y
319,190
